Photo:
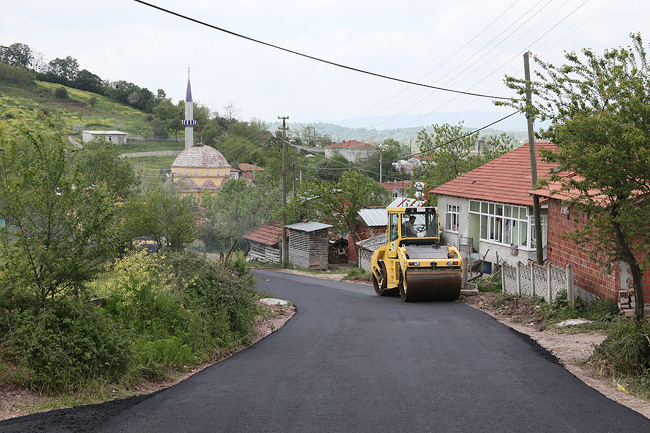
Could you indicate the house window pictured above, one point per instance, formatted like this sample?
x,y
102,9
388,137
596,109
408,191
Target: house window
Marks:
x,y
453,217
505,224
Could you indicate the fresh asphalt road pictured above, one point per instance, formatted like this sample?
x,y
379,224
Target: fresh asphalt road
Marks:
x,y
350,361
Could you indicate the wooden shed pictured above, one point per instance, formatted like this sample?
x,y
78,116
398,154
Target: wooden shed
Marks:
x,y
265,242
308,245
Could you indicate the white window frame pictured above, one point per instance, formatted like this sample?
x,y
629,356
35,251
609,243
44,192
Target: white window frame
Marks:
x,y
452,218
503,224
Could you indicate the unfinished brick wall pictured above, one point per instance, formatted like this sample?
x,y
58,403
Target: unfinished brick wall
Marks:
x,y
364,232
586,273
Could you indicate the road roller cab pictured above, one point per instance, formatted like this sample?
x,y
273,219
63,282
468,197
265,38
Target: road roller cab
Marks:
x,y
413,262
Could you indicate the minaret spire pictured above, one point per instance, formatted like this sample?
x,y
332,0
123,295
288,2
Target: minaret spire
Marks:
x,y
189,121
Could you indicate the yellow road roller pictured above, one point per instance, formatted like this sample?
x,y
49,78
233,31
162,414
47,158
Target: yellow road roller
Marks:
x,y
413,262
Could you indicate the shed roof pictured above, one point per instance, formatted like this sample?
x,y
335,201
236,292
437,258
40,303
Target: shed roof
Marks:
x,y
373,217
269,234
309,226
505,179
105,132
371,244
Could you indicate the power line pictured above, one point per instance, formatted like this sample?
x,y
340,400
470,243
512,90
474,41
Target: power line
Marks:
x,y
439,65
362,71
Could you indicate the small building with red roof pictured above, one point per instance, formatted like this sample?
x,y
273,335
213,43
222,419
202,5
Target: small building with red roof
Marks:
x,y
248,171
265,242
491,208
352,150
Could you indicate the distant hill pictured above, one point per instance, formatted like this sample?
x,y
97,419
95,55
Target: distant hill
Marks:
x,y
373,136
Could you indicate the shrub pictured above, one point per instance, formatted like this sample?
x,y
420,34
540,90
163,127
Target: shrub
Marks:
x,y
61,92
626,350
140,297
62,346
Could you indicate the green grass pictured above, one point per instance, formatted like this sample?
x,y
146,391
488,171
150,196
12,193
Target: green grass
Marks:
x,y
82,110
134,146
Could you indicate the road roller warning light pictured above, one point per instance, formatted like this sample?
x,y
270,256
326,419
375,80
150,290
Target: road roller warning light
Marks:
x,y
413,263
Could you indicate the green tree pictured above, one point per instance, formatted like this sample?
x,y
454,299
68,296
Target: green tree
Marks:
x,y
17,54
170,114
63,71
337,202
453,152
57,234
100,164
599,108
86,80
390,151
239,208
163,215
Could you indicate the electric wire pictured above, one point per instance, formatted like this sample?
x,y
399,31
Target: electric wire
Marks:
x,y
437,67
339,65
456,76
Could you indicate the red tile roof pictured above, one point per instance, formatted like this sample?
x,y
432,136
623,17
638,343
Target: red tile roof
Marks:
x,y
243,166
401,184
505,179
269,234
351,144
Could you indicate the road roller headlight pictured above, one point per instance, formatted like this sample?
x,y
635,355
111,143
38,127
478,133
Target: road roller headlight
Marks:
x,y
452,263
414,263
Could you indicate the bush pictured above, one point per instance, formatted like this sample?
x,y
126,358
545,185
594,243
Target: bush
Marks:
x,y
62,346
61,92
626,350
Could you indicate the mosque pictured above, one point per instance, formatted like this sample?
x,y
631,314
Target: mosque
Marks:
x,y
198,170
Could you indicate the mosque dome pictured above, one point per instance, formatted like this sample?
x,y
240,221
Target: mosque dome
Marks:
x,y
200,156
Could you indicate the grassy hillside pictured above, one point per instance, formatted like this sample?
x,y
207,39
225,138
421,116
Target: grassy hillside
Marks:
x,y
81,110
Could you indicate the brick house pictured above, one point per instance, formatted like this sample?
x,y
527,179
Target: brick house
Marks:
x,y
588,276
248,171
491,208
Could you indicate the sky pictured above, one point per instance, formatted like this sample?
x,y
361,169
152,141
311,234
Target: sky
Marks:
x,y
462,45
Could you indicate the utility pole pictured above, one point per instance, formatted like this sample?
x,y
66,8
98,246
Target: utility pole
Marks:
x,y
293,174
533,162
285,243
381,161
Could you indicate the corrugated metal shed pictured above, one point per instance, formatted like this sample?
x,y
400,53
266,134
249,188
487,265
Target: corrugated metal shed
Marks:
x,y
374,217
371,244
309,226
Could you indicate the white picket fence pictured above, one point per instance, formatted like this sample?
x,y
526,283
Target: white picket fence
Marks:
x,y
535,280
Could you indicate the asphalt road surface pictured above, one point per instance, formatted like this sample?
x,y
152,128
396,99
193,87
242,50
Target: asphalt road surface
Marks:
x,y
350,361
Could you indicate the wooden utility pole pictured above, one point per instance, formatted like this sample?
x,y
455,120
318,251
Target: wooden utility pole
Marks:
x,y
381,161
285,243
293,174
533,162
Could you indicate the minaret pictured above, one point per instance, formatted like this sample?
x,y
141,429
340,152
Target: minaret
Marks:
x,y
189,121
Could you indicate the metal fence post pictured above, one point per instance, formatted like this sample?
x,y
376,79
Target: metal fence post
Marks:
x,y
518,279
